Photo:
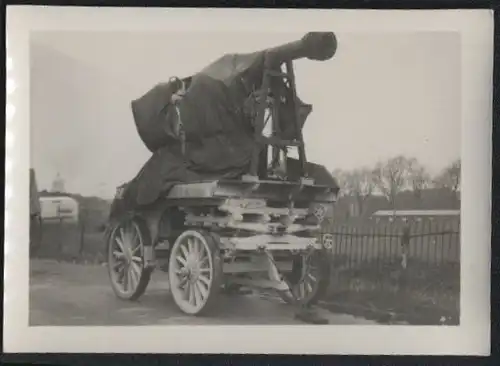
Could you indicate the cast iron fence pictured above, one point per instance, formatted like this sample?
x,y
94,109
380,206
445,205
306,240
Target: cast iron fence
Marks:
x,y
398,267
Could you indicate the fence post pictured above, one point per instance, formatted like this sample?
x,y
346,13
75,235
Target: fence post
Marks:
x,y
82,219
405,245
59,239
35,234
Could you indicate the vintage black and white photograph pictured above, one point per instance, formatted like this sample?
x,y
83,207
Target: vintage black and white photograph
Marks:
x,y
267,177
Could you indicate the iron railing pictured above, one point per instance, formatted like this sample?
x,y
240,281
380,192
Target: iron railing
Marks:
x,y
396,266
431,243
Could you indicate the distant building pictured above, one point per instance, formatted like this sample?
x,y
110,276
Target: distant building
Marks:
x,y
59,207
58,184
348,208
431,201
416,214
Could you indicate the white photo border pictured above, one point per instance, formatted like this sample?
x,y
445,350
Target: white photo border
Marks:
x,y
472,337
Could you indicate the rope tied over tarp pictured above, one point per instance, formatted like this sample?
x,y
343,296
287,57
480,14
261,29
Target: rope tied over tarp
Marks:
x,y
175,99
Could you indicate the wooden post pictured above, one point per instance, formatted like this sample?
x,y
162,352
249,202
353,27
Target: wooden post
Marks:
x,y
59,253
259,125
298,127
82,232
405,245
59,239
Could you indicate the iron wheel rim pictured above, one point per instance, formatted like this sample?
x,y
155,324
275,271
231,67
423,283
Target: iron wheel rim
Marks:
x,y
125,258
191,272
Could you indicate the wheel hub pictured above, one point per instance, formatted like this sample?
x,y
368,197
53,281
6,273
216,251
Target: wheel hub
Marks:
x,y
191,271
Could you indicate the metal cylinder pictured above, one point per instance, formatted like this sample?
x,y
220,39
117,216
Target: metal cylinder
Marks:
x,y
318,46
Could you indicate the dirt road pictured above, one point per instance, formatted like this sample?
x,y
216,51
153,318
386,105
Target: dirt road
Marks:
x,y
75,294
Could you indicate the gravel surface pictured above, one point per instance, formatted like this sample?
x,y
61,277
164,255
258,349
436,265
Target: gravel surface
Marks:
x,y
76,294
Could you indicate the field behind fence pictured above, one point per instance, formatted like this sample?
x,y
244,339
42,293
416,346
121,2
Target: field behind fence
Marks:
x,y
62,240
396,268
375,265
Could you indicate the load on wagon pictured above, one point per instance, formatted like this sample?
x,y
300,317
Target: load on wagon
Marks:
x,y
221,201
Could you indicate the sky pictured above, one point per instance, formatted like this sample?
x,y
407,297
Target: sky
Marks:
x,y
381,95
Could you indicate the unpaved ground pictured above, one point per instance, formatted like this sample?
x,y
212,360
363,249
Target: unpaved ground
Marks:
x,y
74,294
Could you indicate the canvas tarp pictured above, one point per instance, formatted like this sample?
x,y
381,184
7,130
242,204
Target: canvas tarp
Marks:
x,y
217,121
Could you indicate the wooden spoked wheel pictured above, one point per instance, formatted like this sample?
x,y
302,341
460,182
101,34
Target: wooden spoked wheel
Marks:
x,y
195,272
129,277
309,278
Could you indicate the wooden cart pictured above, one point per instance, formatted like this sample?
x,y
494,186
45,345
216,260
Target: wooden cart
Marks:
x,y
261,230
261,234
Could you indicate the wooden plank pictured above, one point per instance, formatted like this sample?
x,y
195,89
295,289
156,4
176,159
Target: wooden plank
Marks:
x,y
285,242
256,207
228,222
274,190
193,190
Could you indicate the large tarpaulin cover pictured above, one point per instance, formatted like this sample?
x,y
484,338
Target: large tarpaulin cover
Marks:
x,y
216,116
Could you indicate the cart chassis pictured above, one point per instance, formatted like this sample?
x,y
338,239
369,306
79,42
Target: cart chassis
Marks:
x,y
242,227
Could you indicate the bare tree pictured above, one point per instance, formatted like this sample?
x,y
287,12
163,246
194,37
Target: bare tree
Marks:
x,y
357,183
341,178
450,179
361,185
419,179
392,176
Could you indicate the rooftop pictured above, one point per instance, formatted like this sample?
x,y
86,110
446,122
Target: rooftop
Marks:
x,y
417,213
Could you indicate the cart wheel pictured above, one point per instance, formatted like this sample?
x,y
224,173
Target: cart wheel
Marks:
x,y
309,279
129,277
195,272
